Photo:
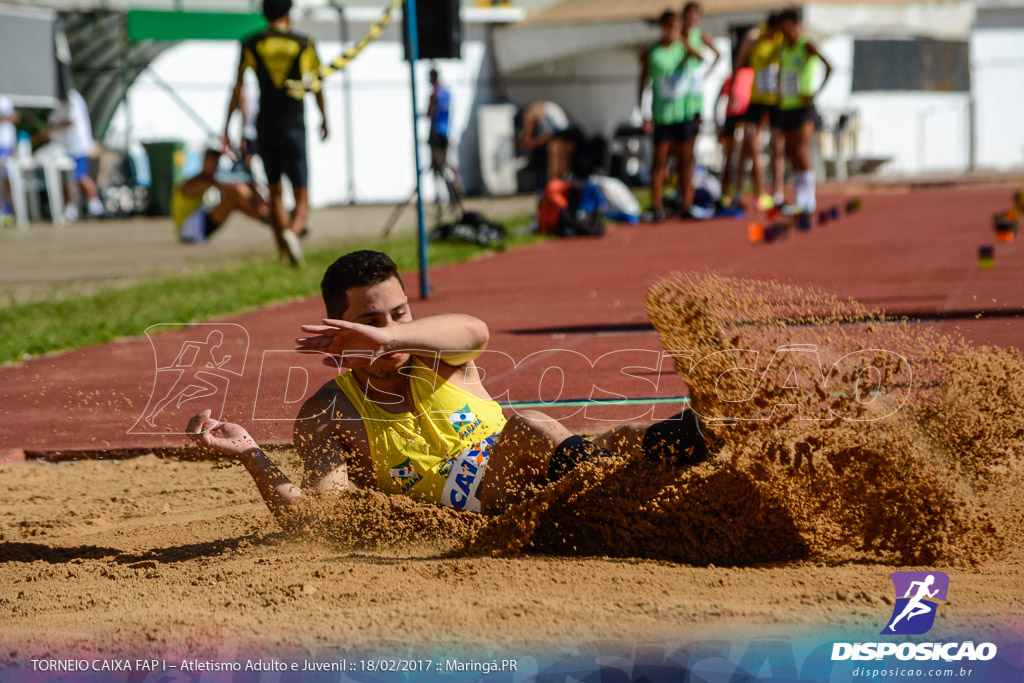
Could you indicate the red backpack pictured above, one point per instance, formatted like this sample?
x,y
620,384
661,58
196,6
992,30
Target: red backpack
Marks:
x,y
556,198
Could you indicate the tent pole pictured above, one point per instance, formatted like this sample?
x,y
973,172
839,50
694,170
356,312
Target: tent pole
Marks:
x,y
410,22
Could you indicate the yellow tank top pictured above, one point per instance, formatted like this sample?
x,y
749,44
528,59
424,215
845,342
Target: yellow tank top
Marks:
x,y
764,60
182,207
437,453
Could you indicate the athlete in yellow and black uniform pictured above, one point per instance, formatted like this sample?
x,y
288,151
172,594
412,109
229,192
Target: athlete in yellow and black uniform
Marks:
x,y
277,55
760,51
797,118
411,416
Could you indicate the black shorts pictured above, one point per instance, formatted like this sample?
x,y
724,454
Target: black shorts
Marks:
x,y
792,119
437,140
760,114
250,146
684,132
210,226
731,122
283,150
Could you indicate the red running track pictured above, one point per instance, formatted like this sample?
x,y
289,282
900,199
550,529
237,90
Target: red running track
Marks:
x,y
570,303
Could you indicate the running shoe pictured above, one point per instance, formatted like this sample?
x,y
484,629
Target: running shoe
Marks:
x,y
765,202
701,213
653,216
730,211
294,248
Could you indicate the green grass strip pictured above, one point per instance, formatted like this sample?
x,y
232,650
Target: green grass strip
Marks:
x,y
38,327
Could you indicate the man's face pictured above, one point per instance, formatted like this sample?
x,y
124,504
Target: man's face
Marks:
x,y
380,305
790,29
691,18
670,29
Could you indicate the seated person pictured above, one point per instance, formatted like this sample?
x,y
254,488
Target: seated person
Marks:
x,y
545,124
193,222
411,416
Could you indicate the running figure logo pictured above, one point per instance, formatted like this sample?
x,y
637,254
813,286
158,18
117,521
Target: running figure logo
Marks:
x,y
198,368
917,594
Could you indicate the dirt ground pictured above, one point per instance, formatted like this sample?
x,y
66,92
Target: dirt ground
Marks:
x,y
161,556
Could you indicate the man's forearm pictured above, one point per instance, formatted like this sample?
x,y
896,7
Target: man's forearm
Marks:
x,y
456,338
278,492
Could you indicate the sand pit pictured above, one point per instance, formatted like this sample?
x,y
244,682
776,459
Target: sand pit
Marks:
x,y
792,525
151,556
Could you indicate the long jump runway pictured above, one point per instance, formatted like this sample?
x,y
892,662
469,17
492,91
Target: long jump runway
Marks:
x,y
567,321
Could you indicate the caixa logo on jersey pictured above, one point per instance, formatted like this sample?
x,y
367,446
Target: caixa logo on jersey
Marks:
x,y
917,601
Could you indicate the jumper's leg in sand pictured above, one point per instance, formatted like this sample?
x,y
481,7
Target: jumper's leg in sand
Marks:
x,y
520,458
625,439
535,449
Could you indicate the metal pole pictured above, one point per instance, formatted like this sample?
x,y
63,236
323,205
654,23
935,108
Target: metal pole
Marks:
x,y
126,78
346,97
414,51
972,151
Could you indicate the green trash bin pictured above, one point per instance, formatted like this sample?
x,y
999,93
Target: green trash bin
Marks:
x,y
166,161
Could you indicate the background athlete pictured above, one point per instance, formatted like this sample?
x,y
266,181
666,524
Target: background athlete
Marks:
x,y
194,222
439,113
412,416
797,117
277,55
759,51
664,65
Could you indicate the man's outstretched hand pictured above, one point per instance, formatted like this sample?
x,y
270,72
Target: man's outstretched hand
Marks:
x,y
224,439
357,344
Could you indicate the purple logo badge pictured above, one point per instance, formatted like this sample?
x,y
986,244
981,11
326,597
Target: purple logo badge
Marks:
x,y
917,596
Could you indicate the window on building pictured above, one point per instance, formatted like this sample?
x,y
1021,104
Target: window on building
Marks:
x,y
917,64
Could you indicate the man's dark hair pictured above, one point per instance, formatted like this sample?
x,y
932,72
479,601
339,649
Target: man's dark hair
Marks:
x,y
773,20
789,15
691,5
356,269
275,9
666,16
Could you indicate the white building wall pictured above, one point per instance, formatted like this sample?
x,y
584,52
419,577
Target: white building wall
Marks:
x,y
202,74
918,132
997,74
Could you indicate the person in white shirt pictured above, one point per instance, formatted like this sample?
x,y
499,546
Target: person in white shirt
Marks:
x,y
8,138
69,127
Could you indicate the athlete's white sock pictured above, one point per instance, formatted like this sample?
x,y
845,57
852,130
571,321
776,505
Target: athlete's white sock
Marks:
x,y
95,207
804,184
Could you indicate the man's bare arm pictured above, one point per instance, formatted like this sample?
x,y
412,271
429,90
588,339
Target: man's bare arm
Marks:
x,y
709,41
225,439
197,185
320,441
455,338
322,106
746,49
236,96
278,492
